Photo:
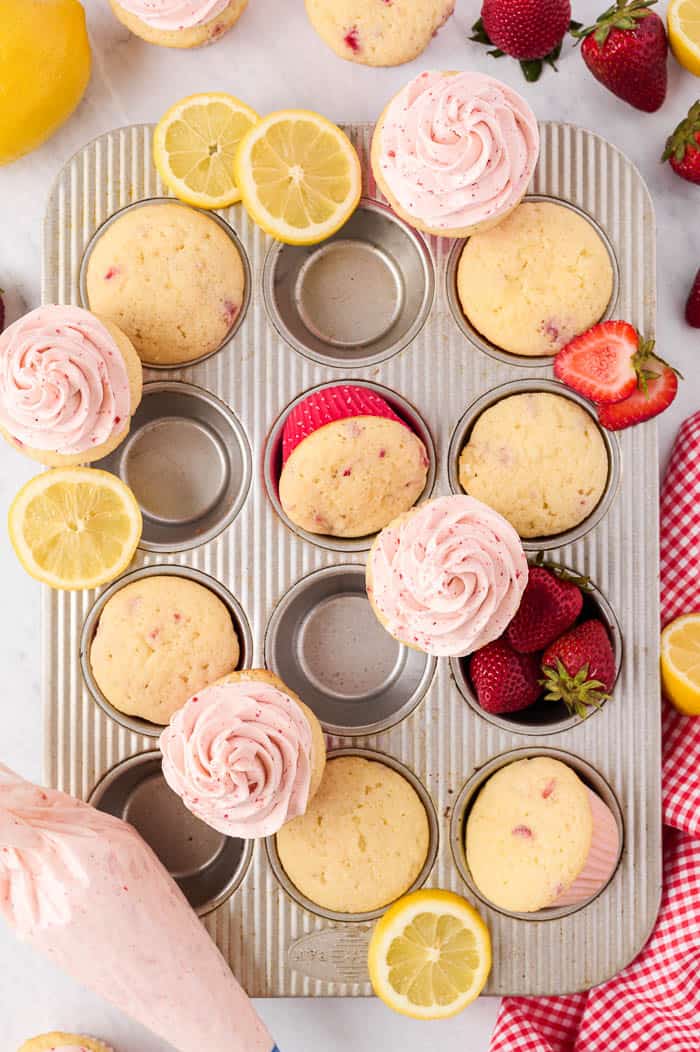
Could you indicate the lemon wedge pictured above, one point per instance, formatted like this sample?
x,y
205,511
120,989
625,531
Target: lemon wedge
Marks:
x,y
680,663
194,145
429,955
75,527
299,176
684,33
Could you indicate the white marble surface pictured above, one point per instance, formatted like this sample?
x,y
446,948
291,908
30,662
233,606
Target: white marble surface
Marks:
x,y
273,60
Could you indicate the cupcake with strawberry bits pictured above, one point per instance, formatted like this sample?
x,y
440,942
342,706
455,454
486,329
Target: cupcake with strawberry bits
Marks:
x,y
350,464
447,577
453,153
179,23
244,754
69,385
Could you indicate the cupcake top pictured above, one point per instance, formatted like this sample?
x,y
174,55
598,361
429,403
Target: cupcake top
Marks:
x,y
64,385
458,148
239,755
58,1041
448,577
174,14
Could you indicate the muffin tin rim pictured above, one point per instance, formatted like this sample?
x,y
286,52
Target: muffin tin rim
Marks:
x,y
241,624
513,726
162,199
408,413
378,756
540,385
591,778
148,756
472,334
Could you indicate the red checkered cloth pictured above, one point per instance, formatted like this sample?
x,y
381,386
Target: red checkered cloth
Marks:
x,y
653,1005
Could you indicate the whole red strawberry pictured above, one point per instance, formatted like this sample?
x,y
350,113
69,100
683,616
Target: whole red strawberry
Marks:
x,y
657,394
504,680
550,604
579,668
528,30
692,307
683,147
626,50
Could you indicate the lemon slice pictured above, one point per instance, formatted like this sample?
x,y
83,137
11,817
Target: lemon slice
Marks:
x,y
75,527
299,176
680,663
429,955
684,33
195,143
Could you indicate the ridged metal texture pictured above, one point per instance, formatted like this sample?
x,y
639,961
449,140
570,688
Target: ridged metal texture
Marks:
x,y
443,741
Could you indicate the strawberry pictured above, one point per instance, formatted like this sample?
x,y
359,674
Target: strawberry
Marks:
x,y
692,307
626,50
579,667
606,363
683,146
550,604
504,680
642,404
528,30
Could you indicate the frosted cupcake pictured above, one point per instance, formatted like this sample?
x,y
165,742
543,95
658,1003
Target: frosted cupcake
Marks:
x,y
537,837
69,385
57,1041
453,153
447,577
245,754
179,23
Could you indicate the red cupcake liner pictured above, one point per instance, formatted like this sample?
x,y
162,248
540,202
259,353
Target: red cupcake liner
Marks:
x,y
328,405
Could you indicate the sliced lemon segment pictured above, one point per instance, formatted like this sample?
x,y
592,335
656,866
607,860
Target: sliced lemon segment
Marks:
x,y
680,663
684,33
429,955
299,176
75,527
194,146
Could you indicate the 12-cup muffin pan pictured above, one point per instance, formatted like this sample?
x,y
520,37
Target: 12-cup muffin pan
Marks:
x,y
376,305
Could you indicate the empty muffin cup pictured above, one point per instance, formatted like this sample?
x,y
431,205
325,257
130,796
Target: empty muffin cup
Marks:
x,y
234,608
433,842
465,801
324,642
236,312
272,462
188,462
463,431
546,717
357,298
207,866
481,342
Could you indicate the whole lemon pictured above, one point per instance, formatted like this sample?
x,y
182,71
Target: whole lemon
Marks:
x,y
44,70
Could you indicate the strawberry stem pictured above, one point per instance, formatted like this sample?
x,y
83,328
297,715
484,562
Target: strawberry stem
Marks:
x,y
579,693
623,15
584,583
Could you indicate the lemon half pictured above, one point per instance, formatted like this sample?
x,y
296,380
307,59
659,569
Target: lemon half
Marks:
x,y
684,33
680,663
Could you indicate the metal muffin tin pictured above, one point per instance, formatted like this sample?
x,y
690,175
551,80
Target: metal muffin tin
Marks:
x,y
418,718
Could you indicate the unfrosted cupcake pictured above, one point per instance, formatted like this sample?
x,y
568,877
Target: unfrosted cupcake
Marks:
x,y
179,23
349,463
69,385
377,32
453,153
537,837
57,1041
244,754
447,577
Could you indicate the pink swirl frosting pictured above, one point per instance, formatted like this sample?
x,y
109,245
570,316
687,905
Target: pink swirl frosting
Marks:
x,y
449,577
64,386
174,14
239,755
458,149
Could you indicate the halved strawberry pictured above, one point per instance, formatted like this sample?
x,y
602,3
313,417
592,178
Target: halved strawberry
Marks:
x,y
606,362
328,405
642,405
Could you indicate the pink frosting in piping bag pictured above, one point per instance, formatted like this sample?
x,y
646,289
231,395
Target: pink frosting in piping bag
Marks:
x,y
86,890
448,578
174,14
64,386
458,149
239,755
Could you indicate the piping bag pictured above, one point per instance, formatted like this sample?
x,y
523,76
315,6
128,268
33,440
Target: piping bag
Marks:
x,y
84,889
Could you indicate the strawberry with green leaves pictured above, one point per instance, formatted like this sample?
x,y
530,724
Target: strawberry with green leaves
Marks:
x,y
683,146
579,668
